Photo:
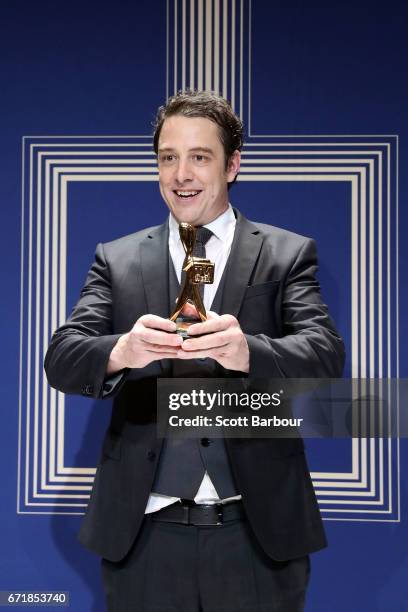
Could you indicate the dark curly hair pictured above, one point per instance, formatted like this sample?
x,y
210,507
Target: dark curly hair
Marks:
x,y
192,103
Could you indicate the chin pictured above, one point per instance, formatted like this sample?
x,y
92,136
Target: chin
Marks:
x,y
186,217
191,221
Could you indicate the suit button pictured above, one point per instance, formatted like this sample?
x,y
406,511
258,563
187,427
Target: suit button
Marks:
x,y
151,455
87,389
205,442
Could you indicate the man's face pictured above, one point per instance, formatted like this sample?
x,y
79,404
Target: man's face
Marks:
x,y
192,174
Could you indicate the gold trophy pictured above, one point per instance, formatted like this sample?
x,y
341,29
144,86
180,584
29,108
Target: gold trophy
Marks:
x,y
198,271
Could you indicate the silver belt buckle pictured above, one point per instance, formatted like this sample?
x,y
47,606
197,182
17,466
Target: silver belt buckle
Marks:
x,y
209,510
220,514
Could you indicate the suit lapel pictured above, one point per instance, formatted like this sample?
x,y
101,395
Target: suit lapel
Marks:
x,y
245,249
154,255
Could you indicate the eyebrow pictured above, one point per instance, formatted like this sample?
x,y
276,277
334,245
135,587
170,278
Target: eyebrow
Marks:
x,y
194,150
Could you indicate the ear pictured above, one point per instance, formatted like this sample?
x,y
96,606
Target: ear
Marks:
x,y
234,164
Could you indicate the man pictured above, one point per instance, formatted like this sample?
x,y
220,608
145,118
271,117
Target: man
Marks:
x,y
198,525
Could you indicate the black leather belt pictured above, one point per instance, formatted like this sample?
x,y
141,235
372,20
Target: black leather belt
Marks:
x,y
187,513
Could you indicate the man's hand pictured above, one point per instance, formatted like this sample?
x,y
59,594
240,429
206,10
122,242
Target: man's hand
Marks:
x,y
224,341
151,338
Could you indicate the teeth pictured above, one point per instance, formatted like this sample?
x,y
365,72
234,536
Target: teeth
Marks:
x,y
187,193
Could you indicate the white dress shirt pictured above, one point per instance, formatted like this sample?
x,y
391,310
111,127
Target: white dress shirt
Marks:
x,y
217,250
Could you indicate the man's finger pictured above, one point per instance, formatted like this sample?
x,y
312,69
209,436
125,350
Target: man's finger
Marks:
x,y
209,341
209,326
155,337
159,348
212,315
156,322
157,356
193,355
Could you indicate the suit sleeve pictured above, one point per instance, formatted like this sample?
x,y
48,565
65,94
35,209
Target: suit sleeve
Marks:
x,y
310,345
79,351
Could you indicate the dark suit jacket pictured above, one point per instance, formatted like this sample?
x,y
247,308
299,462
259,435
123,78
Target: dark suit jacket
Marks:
x,y
271,289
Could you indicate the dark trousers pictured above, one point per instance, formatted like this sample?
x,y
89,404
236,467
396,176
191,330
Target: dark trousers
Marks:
x,y
184,568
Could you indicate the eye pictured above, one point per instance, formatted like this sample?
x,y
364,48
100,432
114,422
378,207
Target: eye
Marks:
x,y
167,158
200,158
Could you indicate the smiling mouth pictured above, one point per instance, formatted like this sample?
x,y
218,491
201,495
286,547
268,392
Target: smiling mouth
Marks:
x,y
186,195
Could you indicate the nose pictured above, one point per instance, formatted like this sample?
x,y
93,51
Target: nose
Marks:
x,y
183,172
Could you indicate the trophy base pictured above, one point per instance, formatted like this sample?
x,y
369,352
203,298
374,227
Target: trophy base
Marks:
x,y
183,325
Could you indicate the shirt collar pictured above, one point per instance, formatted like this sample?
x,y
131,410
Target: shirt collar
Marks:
x,y
220,227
